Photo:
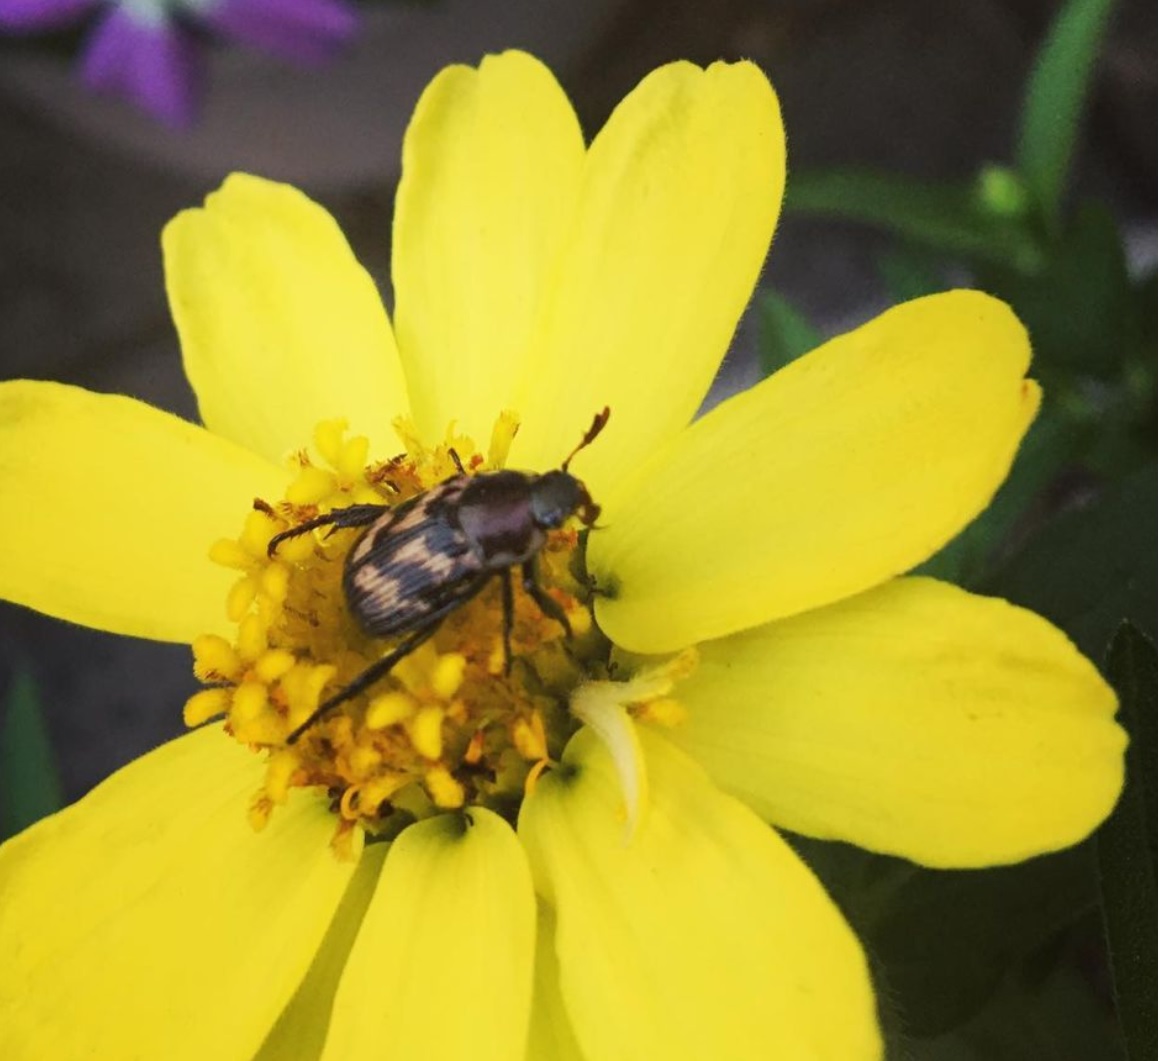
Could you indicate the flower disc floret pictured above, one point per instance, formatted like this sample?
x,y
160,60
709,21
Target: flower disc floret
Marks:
x,y
453,723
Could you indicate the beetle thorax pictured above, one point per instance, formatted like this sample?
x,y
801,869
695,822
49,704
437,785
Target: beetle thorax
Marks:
x,y
497,512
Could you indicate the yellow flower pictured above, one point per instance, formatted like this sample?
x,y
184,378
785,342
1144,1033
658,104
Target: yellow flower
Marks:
x,y
632,905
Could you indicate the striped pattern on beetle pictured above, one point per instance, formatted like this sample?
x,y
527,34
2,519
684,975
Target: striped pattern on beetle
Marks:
x,y
416,563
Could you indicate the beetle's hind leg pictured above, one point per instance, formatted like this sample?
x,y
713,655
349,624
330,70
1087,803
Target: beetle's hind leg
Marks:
x,y
351,516
379,669
547,603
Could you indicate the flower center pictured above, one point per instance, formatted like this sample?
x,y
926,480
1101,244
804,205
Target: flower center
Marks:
x,y
457,720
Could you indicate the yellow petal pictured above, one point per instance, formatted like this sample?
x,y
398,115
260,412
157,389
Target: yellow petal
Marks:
x,y
112,507
443,961
551,1037
851,465
680,196
703,938
491,168
280,326
915,719
150,921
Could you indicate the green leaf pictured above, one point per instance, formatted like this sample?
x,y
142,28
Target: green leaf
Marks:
x,y
29,785
941,941
1079,308
783,333
1050,1008
1126,847
909,273
1089,569
957,221
1056,95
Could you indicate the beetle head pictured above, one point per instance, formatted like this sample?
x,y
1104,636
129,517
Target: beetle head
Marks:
x,y
557,495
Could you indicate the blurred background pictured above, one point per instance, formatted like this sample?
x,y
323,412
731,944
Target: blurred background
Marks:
x,y
916,147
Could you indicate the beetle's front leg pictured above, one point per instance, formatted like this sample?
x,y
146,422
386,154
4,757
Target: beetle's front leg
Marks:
x,y
351,516
547,603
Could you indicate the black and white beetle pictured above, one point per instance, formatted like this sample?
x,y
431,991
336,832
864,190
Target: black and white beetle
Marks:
x,y
415,563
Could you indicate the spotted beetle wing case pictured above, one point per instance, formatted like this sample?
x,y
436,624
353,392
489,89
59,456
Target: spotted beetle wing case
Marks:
x,y
413,563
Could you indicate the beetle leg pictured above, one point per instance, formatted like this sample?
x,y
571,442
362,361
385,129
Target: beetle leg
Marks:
x,y
508,617
381,667
458,463
351,516
547,603
378,669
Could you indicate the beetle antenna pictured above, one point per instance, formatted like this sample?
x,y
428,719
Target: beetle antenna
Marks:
x,y
598,423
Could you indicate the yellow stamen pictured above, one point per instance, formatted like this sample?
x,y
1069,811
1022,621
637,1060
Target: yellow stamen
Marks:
x,y
447,675
279,772
328,437
204,705
228,552
275,582
214,659
352,460
249,700
273,664
529,737
664,712
474,752
302,687
251,638
259,812
502,435
255,536
426,732
363,760
380,789
240,599
444,789
311,487
389,708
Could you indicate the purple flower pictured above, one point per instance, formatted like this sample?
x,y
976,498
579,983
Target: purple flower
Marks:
x,y
144,50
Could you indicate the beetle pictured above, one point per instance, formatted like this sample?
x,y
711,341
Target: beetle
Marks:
x,y
417,562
